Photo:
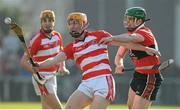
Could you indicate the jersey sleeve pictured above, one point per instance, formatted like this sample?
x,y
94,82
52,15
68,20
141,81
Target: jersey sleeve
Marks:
x,y
148,37
103,34
34,46
60,40
69,51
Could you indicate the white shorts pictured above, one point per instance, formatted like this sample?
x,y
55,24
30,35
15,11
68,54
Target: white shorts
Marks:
x,y
50,87
102,86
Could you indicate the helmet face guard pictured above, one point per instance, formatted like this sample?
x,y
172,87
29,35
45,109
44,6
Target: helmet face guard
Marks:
x,y
76,34
81,18
130,23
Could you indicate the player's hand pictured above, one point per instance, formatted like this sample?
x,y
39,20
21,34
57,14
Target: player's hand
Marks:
x,y
152,51
39,79
35,67
63,71
119,69
105,41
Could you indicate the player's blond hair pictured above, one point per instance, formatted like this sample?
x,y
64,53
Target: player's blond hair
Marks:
x,y
47,14
80,17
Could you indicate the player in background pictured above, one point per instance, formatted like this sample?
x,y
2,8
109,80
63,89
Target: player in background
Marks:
x,y
145,82
97,88
47,43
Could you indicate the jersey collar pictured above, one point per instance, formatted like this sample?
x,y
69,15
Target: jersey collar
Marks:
x,y
85,35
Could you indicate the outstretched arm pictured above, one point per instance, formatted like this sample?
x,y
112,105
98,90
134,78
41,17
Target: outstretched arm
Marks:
x,y
135,37
52,61
135,46
123,38
129,41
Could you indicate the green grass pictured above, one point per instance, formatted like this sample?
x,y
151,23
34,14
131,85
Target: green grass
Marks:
x,y
20,105
37,105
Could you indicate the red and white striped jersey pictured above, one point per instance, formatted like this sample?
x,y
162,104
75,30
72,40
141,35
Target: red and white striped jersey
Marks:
x,y
90,57
42,48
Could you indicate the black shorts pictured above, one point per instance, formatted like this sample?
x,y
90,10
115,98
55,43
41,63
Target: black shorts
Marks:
x,y
146,85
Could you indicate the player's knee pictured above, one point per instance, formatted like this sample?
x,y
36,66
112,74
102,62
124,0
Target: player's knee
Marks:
x,y
71,106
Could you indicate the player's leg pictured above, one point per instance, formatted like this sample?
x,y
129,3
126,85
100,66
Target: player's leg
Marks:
x,y
51,101
132,91
131,95
78,100
44,104
104,92
139,85
141,103
146,91
48,93
99,102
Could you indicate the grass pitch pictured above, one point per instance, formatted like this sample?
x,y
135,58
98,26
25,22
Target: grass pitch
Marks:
x,y
37,105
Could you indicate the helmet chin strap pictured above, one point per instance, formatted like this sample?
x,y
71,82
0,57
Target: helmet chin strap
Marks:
x,y
133,29
78,34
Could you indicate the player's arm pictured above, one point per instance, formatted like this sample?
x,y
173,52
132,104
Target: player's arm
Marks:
x,y
135,37
118,61
67,53
52,61
129,41
122,38
25,63
62,65
62,70
135,46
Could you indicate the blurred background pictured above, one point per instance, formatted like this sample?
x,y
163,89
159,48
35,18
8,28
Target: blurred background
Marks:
x,y
15,83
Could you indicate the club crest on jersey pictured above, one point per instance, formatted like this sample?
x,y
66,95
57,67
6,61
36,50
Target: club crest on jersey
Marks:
x,y
46,46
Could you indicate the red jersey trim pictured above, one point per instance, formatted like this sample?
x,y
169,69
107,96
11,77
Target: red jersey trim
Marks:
x,y
147,61
96,73
90,65
89,54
